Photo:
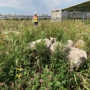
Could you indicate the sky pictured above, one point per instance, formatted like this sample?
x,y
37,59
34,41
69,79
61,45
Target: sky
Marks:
x,y
28,7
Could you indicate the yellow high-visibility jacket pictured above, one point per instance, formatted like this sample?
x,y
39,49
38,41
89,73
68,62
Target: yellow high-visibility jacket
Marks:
x,y
35,18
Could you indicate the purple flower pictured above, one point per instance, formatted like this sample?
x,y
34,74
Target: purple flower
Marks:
x,y
47,88
32,79
1,84
50,77
41,80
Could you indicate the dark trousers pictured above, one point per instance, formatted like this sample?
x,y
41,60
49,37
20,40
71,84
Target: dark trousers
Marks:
x,y
36,23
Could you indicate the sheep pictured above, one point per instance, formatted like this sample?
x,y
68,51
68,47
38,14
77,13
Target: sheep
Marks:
x,y
9,32
15,32
69,43
77,57
54,46
52,39
79,44
67,46
47,42
32,44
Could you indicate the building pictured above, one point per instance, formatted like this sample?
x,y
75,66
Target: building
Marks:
x,y
79,11
58,15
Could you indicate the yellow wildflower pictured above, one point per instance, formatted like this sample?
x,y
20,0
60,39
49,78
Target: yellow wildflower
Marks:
x,y
18,75
19,69
1,41
2,35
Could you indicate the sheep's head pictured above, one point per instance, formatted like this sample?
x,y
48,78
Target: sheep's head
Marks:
x,y
53,40
79,44
69,43
68,46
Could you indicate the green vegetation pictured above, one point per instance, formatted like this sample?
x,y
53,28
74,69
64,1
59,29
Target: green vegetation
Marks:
x,y
24,69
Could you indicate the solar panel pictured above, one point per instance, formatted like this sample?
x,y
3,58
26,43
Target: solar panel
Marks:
x,y
85,6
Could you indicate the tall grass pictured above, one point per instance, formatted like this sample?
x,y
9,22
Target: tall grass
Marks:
x,y
21,68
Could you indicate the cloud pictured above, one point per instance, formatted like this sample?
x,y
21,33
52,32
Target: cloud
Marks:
x,y
54,3
12,3
40,6
51,3
26,5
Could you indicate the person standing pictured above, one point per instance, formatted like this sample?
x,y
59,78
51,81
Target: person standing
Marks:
x,y
35,19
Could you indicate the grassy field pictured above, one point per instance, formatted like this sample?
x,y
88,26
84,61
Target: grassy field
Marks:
x,y
24,69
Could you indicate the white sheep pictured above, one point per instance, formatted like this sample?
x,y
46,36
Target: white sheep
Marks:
x,y
54,46
69,43
77,58
52,39
47,42
79,44
32,44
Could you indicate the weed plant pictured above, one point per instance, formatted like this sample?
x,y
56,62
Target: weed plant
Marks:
x,y
25,69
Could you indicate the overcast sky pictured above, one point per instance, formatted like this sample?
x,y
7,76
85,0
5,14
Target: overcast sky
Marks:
x,y
28,7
